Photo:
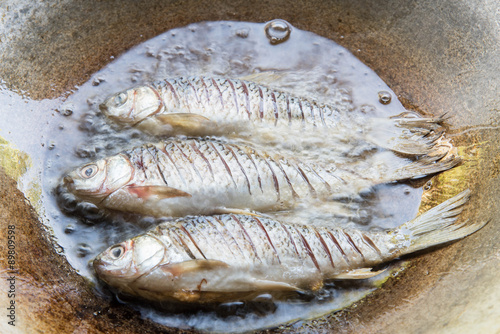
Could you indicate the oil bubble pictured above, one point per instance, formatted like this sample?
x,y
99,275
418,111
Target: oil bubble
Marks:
x,y
89,211
384,97
59,249
363,217
85,152
367,109
277,31
92,101
87,123
97,81
262,308
69,229
243,33
83,250
264,298
67,202
135,78
67,110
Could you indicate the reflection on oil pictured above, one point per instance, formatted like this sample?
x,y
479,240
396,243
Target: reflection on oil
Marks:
x,y
14,162
445,185
17,164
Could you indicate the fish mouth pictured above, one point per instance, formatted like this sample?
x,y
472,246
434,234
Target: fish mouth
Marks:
x,y
97,263
103,108
68,183
67,180
99,268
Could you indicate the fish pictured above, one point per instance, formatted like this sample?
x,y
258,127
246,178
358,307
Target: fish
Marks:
x,y
219,258
198,177
208,106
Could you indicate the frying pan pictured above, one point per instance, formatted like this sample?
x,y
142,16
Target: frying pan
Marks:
x,y
438,57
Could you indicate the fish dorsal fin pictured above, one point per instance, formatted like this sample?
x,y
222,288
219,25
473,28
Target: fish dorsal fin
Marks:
x,y
186,267
233,211
263,78
361,273
187,122
160,191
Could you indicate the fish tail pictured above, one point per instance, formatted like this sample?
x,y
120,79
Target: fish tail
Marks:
x,y
436,226
441,157
406,135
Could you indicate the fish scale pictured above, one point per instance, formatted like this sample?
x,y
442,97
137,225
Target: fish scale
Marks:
x,y
209,167
145,162
206,168
264,241
227,257
238,99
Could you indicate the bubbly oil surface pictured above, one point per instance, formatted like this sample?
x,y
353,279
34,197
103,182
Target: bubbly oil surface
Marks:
x,y
275,54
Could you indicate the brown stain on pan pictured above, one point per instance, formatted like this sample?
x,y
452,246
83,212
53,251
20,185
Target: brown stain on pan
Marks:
x,y
439,57
50,296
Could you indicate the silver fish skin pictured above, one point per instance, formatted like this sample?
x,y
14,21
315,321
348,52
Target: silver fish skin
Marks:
x,y
205,106
215,258
194,177
220,100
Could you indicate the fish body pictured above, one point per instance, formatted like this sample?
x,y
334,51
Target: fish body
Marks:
x,y
223,102
215,258
175,178
206,106
182,177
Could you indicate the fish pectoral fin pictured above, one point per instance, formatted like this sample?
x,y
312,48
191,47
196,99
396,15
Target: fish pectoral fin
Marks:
x,y
263,78
185,121
361,273
187,296
274,286
187,267
161,191
222,210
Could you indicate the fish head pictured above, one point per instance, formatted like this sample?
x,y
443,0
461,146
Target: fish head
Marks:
x,y
132,106
98,179
125,262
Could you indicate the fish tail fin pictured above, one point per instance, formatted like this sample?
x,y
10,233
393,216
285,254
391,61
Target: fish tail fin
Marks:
x,y
436,226
406,133
441,157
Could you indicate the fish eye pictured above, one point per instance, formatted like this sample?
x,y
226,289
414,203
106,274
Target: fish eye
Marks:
x,y
121,99
89,171
117,251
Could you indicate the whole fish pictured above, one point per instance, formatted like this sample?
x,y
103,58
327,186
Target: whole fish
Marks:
x,y
205,106
218,258
182,177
